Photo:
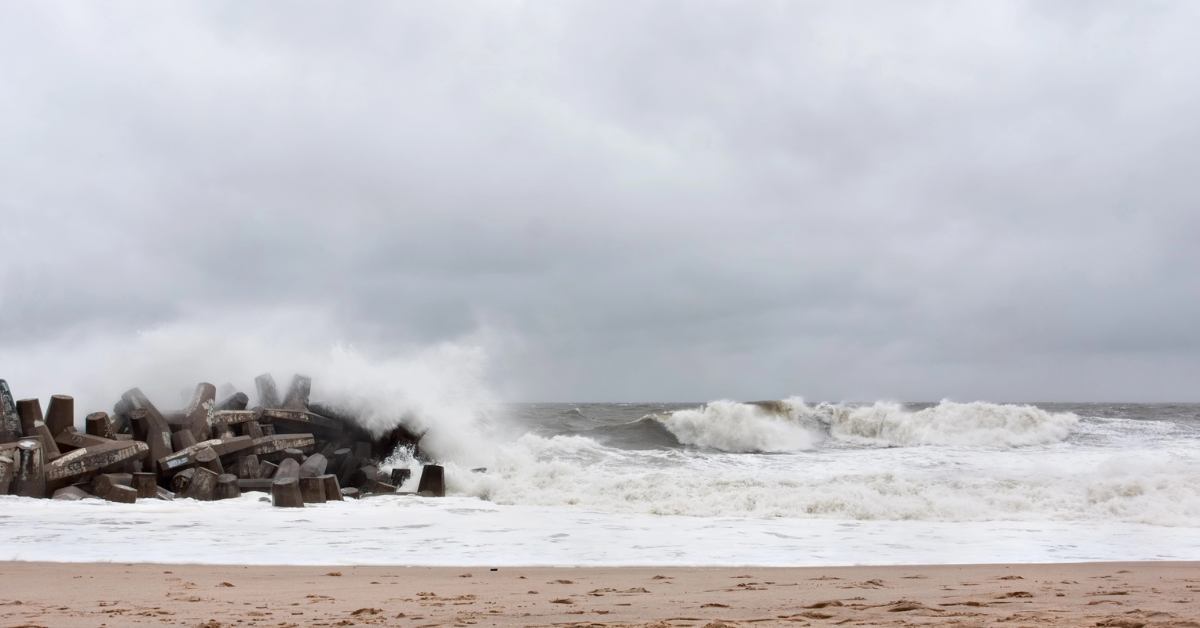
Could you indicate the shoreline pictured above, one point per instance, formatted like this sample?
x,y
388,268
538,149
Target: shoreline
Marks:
x,y
455,531
1129,594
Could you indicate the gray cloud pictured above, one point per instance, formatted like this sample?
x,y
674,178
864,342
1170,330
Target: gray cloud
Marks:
x,y
633,200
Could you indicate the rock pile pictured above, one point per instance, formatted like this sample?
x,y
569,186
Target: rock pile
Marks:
x,y
300,453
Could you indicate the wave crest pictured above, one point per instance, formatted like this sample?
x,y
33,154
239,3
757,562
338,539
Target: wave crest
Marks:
x,y
792,425
976,424
742,427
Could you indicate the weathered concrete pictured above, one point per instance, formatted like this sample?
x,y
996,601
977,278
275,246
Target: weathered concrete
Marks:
x,y
181,440
208,459
268,395
222,446
271,447
254,484
60,414
82,463
433,481
182,480
235,401
151,428
288,469
198,411
8,468
289,421
297,394
253,429
246,467
98,424
234,417
10,421
312,490
203,483
266,470
146,485
70,440
285,493
121,494
227,487
104,483
333,492
293,454
30,478
33,425
313,466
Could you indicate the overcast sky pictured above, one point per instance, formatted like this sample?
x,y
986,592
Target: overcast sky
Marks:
x,y
618,200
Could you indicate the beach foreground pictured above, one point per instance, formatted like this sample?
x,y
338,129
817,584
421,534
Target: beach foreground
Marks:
x,y
1084,594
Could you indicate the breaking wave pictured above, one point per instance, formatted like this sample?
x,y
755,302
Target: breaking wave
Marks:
x,y
792,425
744,427
904,485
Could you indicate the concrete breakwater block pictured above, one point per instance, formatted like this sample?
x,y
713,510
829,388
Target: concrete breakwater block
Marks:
x,y
215,447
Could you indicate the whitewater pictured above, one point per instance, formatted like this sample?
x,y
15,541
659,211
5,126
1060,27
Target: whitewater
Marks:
x,y
720,483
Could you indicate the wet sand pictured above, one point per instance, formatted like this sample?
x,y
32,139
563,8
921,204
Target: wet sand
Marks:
x,y
1126,595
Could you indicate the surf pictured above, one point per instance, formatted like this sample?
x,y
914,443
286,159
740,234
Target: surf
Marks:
x,y
790,425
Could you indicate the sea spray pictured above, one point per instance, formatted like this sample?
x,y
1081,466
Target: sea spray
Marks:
x,y
439,390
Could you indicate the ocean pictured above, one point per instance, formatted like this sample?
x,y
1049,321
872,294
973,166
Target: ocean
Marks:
x,y
782,483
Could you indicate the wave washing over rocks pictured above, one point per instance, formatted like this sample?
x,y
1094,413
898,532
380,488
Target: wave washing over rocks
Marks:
x,y
299,452
777,482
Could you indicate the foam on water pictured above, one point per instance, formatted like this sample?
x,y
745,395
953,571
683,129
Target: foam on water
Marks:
x,y
792,425
742,427
1110,489
976,424
770,483
914,485
460,531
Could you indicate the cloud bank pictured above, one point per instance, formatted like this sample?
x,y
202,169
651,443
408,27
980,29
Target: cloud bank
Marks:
x,y
619,200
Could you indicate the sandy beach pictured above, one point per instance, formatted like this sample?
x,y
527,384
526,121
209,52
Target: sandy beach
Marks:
x,y
1128,595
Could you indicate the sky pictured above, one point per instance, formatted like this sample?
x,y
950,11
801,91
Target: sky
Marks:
x,y
608,201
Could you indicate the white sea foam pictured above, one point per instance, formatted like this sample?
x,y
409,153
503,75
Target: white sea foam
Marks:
x,y
399,530
773,483
949,462
977,424
742,427
792,425
897,484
